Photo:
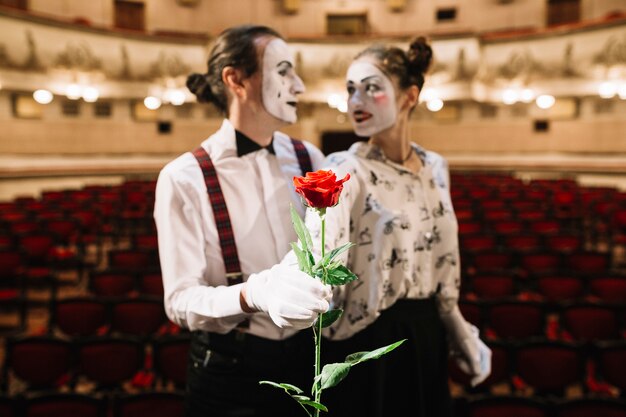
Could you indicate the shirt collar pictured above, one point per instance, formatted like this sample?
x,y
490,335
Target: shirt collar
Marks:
x,y
375,153
245,145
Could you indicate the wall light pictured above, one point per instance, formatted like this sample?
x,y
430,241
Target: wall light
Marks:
x,y
152,103
607,89
428,94
334,100
527,95
545,101
43,96
73,91
621,91
510,96
174,96
434,105
91,94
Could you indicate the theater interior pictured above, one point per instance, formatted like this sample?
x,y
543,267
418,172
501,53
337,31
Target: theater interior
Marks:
x,y
526,99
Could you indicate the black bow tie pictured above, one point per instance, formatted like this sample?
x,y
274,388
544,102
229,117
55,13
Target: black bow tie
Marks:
x,y
245,145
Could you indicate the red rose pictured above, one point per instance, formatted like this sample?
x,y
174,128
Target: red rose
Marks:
x,y
320,189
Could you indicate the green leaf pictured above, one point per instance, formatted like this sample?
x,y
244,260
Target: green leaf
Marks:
x,y
311,260
301,231
314,404
340,275
332,254
358,357
300,398
330,317
283,385
333,373
303,259
319,273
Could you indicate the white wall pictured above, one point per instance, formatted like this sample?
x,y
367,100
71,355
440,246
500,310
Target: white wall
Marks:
x,y
594,9
98,12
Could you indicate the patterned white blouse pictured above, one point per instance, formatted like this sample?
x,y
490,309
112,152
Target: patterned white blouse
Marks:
x,y
404,229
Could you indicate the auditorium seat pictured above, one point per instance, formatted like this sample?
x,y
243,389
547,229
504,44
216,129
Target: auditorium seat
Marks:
x,y
540,263
507,406
611,362
152,404
556,288
142,316
477,242
109,362
9,406
150,283
170,356
65,405
492,261
588,262
492,286
585,321
133,260
564,243
39,362
78,316
111,283
610,288
522,243
550,367
591,407
12,292
545,227
516,319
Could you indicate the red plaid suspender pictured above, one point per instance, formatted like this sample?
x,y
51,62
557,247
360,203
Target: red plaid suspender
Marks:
x,y
220,210
304,159
222,219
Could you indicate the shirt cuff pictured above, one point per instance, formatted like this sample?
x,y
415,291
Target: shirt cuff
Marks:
x,y
231,305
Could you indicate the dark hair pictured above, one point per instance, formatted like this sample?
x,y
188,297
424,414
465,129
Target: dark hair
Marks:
x,y
234,47
409,67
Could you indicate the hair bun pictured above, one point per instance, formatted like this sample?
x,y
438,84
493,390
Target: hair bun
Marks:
x,y
198,85
420,55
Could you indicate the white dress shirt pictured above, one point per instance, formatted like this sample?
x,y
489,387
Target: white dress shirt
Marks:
x,y
258,190
404,230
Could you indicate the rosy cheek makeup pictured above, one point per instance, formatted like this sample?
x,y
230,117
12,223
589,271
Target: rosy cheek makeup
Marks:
x,y
381,99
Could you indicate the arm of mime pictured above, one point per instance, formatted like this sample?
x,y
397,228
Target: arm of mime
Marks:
x,y
190,300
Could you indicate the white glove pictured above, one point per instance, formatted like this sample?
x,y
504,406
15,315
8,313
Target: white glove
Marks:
x,y
292,298
472,355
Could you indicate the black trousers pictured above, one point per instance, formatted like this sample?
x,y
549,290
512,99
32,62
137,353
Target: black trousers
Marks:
x,y
410,381
224,372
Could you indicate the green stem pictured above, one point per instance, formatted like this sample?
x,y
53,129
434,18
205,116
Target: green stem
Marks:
x,y
318,335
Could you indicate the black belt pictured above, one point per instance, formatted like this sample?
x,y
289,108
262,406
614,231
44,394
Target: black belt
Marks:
x,y
238,343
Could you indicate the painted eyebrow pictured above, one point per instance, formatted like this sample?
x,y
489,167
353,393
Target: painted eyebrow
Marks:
x,y
289,64
370,77
364,79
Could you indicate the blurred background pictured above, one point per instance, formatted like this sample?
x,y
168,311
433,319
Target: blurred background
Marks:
x,y
525,98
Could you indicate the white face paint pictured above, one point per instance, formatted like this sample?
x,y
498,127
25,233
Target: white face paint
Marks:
x,y
371,99
281,84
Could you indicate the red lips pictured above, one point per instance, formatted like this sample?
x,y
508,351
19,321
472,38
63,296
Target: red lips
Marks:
x,y
361,116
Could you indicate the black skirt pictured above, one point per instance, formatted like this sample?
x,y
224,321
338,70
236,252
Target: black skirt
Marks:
x,y
410,381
